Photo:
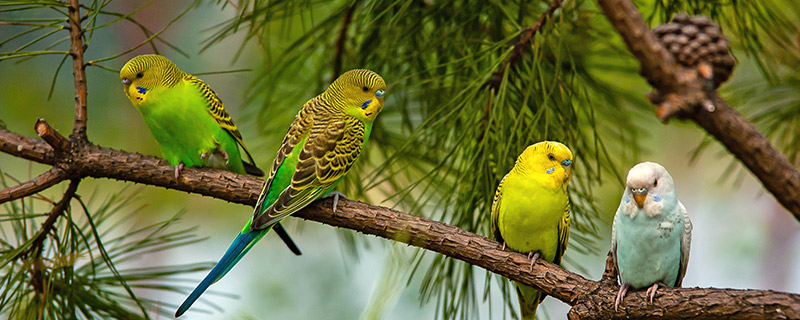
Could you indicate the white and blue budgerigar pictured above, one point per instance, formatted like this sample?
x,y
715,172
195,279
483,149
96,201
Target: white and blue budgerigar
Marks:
x,y
651,234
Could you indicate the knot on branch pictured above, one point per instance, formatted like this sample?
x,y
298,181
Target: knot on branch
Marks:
x,y
699,47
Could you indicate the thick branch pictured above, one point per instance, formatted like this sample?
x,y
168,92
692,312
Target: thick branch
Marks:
x,y
588,297
27,148
679,87
78,68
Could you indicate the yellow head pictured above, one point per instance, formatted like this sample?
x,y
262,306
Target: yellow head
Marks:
x,y
549,159
358,93
147,72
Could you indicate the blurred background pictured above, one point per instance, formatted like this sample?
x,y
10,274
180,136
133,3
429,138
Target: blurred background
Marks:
x,y
742,237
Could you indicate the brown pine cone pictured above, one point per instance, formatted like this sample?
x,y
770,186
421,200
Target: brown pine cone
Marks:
x,y
694,40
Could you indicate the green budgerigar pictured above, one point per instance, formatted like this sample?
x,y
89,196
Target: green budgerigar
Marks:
x,y
187,120
530,212
651,234
323,142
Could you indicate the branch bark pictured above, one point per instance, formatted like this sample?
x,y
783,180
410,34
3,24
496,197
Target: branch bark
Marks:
x,y
588,298
78,69
684,90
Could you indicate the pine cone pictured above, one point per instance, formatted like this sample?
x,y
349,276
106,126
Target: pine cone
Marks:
x,y
693,40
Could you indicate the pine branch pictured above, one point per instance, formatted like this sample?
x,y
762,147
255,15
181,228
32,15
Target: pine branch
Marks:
x,y
683,94
590,299
524,40
78,68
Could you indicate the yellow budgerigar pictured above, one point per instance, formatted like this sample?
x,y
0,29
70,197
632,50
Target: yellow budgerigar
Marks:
x,y
530,212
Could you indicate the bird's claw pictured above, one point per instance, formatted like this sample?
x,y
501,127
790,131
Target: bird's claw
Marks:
x,y
335,195
224,155
504,246
651,292
203,156
623,289
178,169
533,256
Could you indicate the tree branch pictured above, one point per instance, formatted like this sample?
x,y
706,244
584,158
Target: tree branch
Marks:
x,y
45,180
588,297
340,40
37,246
524,40
78,68
683,90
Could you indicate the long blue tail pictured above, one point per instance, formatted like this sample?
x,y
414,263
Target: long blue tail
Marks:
x,y
243,242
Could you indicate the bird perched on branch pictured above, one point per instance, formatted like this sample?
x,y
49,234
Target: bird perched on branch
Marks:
x,y
530,212
323,142
187,120
651,234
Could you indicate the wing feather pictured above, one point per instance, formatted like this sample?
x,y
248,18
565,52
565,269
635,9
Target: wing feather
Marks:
x,y
332,147
498,198
563,234
217,111
686,243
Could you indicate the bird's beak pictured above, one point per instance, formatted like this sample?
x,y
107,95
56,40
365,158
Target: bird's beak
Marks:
x,y
639,195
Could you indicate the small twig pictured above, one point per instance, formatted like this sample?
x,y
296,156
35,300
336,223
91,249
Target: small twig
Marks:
x,y
524,40
340,40
78,69
58,209
51,136
680,91
45,180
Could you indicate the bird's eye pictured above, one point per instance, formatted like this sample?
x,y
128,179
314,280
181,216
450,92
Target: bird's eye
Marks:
x,y
655,183
551,157
379,93
365,89
139,75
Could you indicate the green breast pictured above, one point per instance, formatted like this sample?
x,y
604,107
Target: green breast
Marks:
x,y
180,123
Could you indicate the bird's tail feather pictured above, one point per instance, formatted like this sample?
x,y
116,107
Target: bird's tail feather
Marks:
x,y
529,299
243,242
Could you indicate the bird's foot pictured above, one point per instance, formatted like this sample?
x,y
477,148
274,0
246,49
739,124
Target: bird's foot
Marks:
x,y
504,246
623,290
651,292
178,169
335,195
203,156
533,256
224,155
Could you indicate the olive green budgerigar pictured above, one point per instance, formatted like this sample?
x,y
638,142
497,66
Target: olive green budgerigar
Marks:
x,y
187,119
323,142
530,212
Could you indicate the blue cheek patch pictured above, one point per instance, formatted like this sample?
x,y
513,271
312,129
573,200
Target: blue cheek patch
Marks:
x,y
366,103
141,90
551,170
656,198
627,199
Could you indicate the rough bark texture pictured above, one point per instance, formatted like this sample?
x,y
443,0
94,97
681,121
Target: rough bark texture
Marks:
x,y
78,69
591,299
681,92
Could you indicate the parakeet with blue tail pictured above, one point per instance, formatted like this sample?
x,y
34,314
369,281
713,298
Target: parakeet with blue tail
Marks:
x,y
187,120
652,234
323,142
530,211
